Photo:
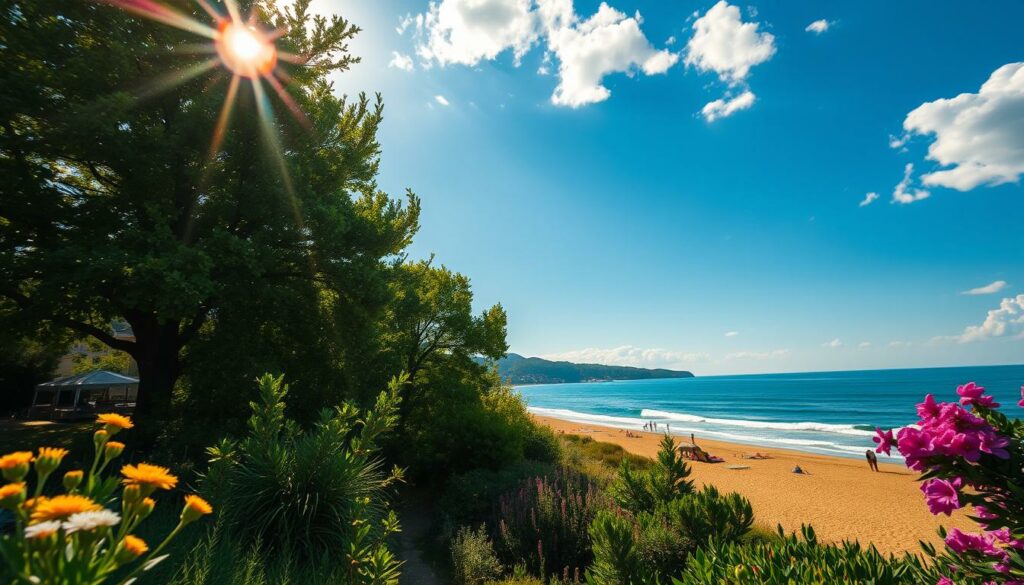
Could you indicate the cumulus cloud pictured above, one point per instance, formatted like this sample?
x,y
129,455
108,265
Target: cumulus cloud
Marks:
x,y
979,135
725,45
988,289
1007,320
864,344
723,107
904,193
468,31
731,333
628,355
441,100
818,26
404,22
869,198
400,61
588,50
833,344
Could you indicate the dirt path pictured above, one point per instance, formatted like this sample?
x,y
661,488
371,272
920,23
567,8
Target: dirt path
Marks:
x,y
415,526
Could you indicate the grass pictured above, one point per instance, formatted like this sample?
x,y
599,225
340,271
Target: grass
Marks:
x,y
597,459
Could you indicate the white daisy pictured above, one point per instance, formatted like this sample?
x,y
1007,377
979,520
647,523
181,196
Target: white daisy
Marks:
x,y
42,529
90,520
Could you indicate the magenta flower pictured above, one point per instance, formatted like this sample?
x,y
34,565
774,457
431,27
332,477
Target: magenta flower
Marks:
x,y
945,581
942,496
885,441
1021,403
968,392
929,409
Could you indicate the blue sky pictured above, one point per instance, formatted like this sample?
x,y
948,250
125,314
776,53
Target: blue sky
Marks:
x,y
638,224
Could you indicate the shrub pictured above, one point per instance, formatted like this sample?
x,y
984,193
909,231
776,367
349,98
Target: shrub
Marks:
x,y
471,497
970,457
544,522
795,560
311,493
663,482
473,557
71,537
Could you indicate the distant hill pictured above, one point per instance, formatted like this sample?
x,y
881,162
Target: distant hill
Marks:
x,y
524,370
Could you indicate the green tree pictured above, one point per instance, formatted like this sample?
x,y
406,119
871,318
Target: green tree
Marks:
x,y
116,204
430,322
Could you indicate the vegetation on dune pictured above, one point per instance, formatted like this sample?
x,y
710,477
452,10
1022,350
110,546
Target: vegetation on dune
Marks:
x,y
533,370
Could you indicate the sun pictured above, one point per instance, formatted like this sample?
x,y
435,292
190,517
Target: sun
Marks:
x,y
245,50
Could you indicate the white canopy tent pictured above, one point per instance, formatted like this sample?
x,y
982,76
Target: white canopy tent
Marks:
x,y
83,394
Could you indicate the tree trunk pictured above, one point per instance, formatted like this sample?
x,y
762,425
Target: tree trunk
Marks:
x,y
157,347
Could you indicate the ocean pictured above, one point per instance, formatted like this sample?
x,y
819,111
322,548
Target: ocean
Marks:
x,y
832,413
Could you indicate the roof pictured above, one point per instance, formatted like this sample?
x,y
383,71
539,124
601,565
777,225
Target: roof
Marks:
x,y
96,379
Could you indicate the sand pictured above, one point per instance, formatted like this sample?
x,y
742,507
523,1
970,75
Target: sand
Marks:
x,y
842,498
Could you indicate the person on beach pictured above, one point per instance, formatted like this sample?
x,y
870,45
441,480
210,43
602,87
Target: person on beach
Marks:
x,y
692,440
872,459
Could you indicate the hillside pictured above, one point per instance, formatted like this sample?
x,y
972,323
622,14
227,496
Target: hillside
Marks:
x,y
524,370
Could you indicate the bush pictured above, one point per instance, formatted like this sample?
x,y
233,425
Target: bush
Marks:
x,y
597,458
473,558
664,482
544,523
472,497
795,560
314,493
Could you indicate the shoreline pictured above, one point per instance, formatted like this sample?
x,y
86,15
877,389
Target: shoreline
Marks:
x,y
839,496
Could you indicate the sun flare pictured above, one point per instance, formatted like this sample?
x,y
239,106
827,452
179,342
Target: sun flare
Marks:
x,y
245,50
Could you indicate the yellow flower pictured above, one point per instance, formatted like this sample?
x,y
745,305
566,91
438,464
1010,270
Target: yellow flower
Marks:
x,y
149,476
12,494
113,449
49,459
59,507
14,466
73,479
195,508
146,507
113,422
132,548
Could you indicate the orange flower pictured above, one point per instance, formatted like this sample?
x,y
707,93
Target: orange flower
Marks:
x,y
152,476
12,494
59,507
114,422
14,466
72,479
49,458
113,449
195,508
135,544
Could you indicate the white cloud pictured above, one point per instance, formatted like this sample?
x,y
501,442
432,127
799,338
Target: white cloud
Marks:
x,y
588,50
731,333
898,343
988,289
468,31
756,355
722,43
980,135
726,45
1008,319
404,22
818,26
723,107
864,344
904,193
441,100
628,355
833,344
400,61
670,41
869,199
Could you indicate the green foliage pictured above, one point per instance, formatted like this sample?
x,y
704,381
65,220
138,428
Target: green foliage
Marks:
x,y
664,482
798,561
118,205
616,561
473,557
469,498
706,515
597,459
29,353
99,357
312,494
544,522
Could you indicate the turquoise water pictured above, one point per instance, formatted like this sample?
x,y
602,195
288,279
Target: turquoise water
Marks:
x,y
821,412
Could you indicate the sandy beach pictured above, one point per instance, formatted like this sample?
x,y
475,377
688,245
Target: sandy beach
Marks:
x,y
841,498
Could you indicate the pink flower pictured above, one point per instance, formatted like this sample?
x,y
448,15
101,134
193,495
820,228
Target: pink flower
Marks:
x,y
971,393
929,409
945,581
1021,403
885,441
914,445
942,496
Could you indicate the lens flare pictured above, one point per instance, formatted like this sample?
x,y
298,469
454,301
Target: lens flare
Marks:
x,y
245,50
